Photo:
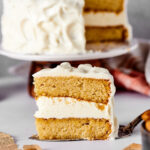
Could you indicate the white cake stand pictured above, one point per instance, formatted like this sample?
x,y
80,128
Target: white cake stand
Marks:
x,y
111,50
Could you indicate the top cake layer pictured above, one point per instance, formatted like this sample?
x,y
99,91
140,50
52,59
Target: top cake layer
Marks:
x,y
104,5
84,83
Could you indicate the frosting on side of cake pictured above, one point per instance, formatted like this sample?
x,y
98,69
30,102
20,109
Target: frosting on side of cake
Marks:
x,y
49,26
65,107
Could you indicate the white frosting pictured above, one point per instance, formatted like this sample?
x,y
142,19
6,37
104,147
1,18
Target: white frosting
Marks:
x,y
51,26
83,70
43,26
105,19
71,108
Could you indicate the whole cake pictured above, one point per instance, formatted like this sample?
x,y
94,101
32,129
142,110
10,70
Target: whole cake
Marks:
x,y
62,26
75,103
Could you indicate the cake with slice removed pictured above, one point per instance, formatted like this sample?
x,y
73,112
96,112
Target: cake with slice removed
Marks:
x,y
63,26
75,103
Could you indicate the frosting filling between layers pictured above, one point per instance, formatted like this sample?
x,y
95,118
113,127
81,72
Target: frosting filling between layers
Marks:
x,y
61,107
105,19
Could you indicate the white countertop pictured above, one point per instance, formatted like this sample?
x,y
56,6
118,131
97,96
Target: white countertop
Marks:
x,y
17,109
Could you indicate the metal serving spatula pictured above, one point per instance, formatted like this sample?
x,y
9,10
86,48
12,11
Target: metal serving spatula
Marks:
x,y
128,129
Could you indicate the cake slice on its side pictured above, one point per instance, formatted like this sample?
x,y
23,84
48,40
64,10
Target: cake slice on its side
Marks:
x,y
75,103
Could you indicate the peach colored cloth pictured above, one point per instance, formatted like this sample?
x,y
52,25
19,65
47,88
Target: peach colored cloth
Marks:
x,y
134,81
132,71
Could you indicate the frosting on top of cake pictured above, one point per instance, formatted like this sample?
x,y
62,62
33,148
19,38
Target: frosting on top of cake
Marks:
x,y
83,70
43,26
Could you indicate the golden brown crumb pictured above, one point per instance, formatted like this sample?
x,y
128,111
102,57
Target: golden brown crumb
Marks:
x,y
31,147
105,34
95,90
73,129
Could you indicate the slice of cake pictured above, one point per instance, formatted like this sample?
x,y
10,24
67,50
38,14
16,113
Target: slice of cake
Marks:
x,y
74,103
62,26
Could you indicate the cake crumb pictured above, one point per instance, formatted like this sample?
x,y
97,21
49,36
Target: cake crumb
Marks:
x,y
134,146
31,147
7,142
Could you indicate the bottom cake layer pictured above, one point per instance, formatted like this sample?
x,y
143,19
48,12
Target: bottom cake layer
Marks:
x,y
104,34
73,129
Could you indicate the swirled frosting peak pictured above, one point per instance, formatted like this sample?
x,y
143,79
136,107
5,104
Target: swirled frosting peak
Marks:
x,y
43,26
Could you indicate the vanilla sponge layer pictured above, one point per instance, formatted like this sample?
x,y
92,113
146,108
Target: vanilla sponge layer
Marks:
x,y
73,129
106,34
43,26
80,88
